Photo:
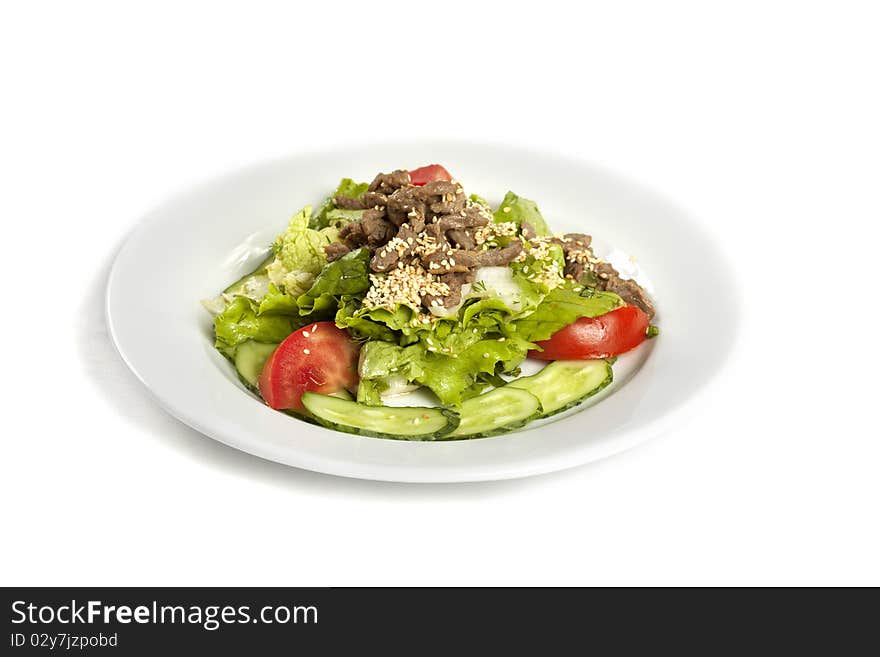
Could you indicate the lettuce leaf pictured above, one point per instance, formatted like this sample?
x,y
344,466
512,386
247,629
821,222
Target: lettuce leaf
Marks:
x,y
350,317
347,187
299,254
338,218
517,209
453,378
401,324
562,306
381,359
349,276
369,391
240,322
276,302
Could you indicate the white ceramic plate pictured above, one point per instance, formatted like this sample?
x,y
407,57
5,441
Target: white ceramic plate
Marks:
x,y
200,241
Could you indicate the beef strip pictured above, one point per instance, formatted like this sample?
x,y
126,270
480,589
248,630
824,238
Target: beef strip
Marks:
x,y
573,244
497,257
576,242
577,270
433,231
363,202
377,229
374,199
628,290
443,262
456,260
528,231
455,281
386,258
335,251
443,197
388,182
462,238
405,204
457,227
416,222
353,234
470,219
348,203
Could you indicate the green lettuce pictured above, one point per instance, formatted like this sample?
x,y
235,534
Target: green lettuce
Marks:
x,y
338,218
452,377
517,209
455,379
241,322
328,214
563,306
276,302
403,322
349,276
369,391
381,359
351,316
299,254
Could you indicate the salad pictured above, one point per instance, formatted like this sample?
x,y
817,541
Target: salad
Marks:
x,y
408,283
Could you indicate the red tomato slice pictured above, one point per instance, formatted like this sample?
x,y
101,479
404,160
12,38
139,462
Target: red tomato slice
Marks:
x,y
427,174
596,337
319,357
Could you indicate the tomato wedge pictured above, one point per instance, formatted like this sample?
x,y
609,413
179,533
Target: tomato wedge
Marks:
x,y
607,335
319,357
427,174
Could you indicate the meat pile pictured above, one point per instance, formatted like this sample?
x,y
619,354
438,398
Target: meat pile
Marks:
x,y
436,234
434,227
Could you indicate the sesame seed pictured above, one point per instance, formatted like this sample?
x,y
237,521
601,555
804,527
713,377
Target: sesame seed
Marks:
x,y
306,352
486,355
506,209
306,334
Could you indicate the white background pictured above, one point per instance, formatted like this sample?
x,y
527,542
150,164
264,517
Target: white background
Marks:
x,y
760,118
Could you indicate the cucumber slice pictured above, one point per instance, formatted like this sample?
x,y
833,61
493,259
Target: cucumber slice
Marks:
x,y
406,422
566,383
496,411
250,358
